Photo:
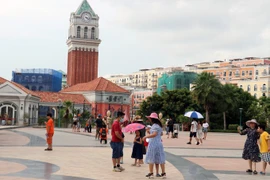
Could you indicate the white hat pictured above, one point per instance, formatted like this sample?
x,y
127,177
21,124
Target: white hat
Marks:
x,y
148,126
251,121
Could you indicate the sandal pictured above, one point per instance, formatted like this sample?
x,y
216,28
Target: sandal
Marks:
x,y
255,172
262,173
249,171
163,175
47,149
150,175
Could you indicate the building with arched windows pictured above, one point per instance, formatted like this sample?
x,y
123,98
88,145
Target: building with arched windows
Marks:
x,y
38,79
83,43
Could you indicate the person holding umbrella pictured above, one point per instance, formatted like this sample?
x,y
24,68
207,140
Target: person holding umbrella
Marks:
x,y
155,152
194,125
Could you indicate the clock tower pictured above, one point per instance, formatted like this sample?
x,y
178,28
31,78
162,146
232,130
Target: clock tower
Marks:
x,y
83,42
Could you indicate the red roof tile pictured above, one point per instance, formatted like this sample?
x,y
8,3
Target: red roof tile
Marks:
x,y
99,84
53,97
2,80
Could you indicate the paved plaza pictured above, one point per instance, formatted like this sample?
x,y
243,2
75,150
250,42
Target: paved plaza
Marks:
x,y
79,156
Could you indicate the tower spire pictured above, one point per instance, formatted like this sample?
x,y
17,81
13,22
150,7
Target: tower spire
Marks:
x,y
85,7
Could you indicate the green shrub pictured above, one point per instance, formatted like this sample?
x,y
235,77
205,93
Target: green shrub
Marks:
x,y
41,120
233,126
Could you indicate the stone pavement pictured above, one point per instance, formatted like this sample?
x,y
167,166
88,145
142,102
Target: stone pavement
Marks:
x,y
80,156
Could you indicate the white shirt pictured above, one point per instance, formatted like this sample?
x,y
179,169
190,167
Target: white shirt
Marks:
x,y
205,125
194,128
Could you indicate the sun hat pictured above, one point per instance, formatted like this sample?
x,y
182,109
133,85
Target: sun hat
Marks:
x,y
251,121
153,115
138,119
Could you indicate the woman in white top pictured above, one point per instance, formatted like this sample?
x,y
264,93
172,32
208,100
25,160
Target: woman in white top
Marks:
x,y
205,129
199,131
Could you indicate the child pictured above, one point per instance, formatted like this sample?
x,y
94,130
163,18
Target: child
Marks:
x,y
148,127
137,152
103,134
86,127
264,147
175,133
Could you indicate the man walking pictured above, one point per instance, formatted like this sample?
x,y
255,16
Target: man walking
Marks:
x,y
193,132
116,143
49,131
99,122
89,121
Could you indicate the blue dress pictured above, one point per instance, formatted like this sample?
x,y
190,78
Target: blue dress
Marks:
x,y
155,152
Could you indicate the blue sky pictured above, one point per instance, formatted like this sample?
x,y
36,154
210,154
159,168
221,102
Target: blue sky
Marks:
x,y
135,34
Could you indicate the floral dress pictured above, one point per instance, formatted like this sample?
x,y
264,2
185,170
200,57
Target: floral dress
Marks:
x,y
251,149
155,152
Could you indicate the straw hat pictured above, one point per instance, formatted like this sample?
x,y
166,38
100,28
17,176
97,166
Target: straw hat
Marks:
x,y
137,118
251,121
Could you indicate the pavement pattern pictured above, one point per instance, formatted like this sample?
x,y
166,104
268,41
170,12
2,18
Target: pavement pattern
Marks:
x,y
79,156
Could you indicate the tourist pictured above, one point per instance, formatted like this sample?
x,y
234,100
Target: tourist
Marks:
x,y
155,152
264,147
205,129
137,151
74,126
251,150
116,143
49,131
167,127
103,134
89,129
99,123
193,132
139,120
170,126
199,131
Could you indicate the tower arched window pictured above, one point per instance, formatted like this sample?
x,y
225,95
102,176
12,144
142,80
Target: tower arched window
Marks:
x,y
78,32
248,88
93,33
85,32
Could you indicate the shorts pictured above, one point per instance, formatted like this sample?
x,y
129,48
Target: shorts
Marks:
x,y
265,157
117,149
205,130
75,123
171,129
193,134
49,138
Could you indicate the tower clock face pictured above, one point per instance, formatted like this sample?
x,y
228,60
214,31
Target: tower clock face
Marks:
x,y
86,17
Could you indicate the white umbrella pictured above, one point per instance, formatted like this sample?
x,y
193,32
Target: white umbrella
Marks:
x,y
194,114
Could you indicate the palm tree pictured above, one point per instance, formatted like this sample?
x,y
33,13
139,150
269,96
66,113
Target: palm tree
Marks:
x,y
206,91
67,108
228,100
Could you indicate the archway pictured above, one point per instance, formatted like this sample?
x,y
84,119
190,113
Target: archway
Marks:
x,y
8,113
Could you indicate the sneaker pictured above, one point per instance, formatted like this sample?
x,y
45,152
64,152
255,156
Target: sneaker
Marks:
x,y
121,168
189,143
198,143
158,175
116,169
121,162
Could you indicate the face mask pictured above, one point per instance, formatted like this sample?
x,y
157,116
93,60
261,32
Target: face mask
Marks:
x,y
122,120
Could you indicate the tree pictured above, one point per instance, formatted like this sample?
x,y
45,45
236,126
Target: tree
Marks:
x,y
67,108
206,91
170,103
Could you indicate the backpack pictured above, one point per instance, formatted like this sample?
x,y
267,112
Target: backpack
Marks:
x,y
103,133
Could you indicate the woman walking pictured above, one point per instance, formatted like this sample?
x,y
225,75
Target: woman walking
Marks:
x,y
155,152
251,150
199,132
205,129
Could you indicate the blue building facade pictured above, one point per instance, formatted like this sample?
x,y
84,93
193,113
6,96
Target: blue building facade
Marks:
x,y
39,79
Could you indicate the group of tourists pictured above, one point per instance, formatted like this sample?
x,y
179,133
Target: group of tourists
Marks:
x,y
253,152
198,130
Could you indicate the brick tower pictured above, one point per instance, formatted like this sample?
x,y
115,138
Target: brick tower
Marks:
x,y
83,41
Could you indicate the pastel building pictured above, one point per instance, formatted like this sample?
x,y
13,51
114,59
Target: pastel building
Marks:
x,y
138,96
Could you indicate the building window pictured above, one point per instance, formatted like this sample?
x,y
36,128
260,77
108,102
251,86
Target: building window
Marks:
x,y
255,87
243,73
257,72
33,79
224,74
264,87
78,32
248,88
250,73
230,73
255,95
39,80
85,32
26,78
93,33
241,86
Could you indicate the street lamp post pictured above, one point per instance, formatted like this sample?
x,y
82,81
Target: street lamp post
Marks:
x,y
240,123
83,109
59,108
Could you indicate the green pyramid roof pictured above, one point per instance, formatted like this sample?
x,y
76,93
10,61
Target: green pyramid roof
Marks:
x,y
85,7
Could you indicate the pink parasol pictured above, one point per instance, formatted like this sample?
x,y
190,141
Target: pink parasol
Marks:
x,y
133,127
